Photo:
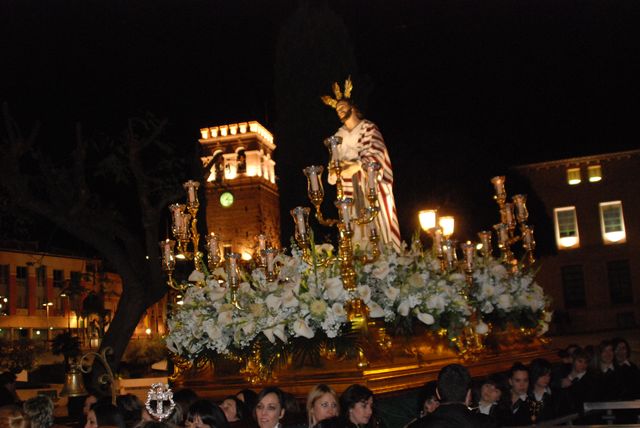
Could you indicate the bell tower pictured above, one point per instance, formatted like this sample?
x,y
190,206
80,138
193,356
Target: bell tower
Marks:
x,y
240,185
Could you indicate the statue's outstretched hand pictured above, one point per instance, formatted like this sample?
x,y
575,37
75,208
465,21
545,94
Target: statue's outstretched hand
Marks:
x,y
349,168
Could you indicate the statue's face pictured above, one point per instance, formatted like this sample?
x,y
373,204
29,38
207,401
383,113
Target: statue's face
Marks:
x,y
344,110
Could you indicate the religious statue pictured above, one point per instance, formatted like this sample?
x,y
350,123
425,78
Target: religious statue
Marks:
x,y
362,142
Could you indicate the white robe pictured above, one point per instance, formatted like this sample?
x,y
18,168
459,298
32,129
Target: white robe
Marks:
x,y
362,144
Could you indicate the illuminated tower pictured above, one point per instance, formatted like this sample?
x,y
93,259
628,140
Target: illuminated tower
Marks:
x,y
241,192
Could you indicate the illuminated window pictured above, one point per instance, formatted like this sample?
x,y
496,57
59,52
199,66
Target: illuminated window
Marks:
x,y
595,173
566,225
573,286
612,223
573,176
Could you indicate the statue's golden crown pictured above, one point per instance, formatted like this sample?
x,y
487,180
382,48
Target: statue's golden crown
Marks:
x,y
339,95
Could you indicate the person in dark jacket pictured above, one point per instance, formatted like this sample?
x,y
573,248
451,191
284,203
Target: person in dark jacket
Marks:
x,y
541,400
515,407
454,391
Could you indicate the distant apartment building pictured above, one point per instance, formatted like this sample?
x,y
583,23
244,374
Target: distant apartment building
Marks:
x,y
41,295
594,205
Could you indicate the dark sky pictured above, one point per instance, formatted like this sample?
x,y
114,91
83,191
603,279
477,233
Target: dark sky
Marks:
x,y
460,89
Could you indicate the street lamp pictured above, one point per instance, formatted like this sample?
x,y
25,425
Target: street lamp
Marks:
x,y
47,306
64,294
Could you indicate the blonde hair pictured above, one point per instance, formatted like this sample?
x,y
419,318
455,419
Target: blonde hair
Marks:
x,y
315,393
12,417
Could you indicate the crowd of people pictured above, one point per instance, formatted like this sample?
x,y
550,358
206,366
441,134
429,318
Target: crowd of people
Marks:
x,y
524,395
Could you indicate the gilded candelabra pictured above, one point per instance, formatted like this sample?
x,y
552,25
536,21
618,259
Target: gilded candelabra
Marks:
x,y
512,214
345,223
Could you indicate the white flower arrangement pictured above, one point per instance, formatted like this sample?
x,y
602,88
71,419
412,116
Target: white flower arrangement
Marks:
x,y
305,302
502,297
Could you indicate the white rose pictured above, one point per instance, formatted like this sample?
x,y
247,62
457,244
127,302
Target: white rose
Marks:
x,y
334,288
426,318
415,280
487,307
380,269
365,293
375,311
499,271
505,301
482,328
403,308
248,328
279,332
196,276
273,302
338,310
391,293
212,329
289,300
301,328
225,318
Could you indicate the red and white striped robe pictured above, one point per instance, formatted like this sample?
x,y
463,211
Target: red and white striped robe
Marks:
x,y
365,143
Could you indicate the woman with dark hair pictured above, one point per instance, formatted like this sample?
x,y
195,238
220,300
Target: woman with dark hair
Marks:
x,y
105,414
356,407
270,407
628,373
131,408
249,397
233,408
541,402
205,414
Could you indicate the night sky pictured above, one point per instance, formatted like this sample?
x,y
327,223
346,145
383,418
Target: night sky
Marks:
x,y
461,90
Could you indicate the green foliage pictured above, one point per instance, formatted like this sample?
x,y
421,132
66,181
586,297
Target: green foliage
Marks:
x,y
67,345
145,352
18,355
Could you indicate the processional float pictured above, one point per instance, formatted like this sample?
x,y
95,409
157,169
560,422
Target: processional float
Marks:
x,y
365,313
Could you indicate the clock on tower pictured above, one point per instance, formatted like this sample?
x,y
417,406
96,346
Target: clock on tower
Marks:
x,y
241,192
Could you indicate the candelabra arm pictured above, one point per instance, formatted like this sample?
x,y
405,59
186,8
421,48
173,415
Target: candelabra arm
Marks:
x,y
106,377
323,221
368,215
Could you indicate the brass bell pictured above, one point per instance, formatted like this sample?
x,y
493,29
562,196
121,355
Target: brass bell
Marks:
x,y
74,384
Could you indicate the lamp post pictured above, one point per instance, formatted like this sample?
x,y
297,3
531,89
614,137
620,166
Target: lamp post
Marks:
x,y
63,294
47,306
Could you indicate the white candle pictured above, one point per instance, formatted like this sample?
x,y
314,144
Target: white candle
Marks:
x,y
167,251
262,242
271,254
192,195
313,179
372,176
437,239
345,213
372,230
300,222
449,251
213,244
508,213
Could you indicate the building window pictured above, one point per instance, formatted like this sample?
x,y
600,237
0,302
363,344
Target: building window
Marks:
x,y
41,286
612,223
594,172
58,278
566,225
76,278
22,288
573,176
4,289
619,277
573,287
